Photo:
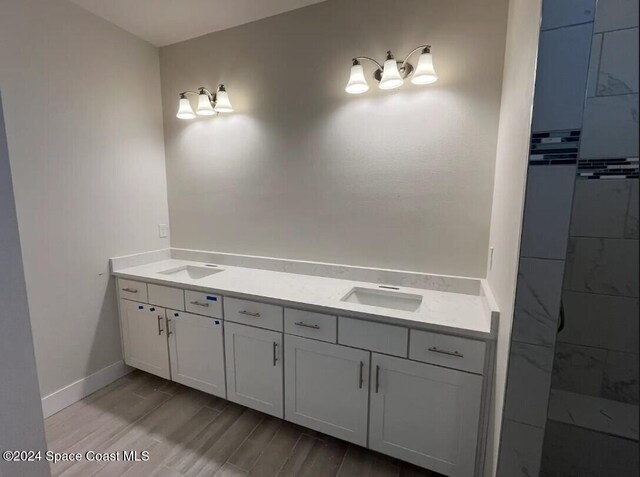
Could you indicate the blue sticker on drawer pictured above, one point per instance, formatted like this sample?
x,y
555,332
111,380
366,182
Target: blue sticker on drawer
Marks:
x,y
212,298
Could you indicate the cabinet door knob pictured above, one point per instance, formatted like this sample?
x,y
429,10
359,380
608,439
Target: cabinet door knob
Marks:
x,y
199,303
377,378
361,379
169,332
130,290
275,353
160,330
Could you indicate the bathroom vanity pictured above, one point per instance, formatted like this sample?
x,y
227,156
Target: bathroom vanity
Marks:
x,y
347,351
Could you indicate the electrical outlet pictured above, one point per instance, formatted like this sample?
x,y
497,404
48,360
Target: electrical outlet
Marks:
x,y
163,230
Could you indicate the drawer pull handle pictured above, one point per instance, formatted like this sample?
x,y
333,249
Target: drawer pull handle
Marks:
x,y
160,330
361,379
248,313
377,378
307,325
130,290
275,353
456,354
199,303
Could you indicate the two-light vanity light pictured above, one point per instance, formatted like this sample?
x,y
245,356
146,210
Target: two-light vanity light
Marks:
x,y
392,73
208,104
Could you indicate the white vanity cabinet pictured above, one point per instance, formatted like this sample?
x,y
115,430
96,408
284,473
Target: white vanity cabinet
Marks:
x,y
425,414
197,351
144,331
416,395
327,387
254,368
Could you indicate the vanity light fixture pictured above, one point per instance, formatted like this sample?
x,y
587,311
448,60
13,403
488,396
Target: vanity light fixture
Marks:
x,y
208,104
392,73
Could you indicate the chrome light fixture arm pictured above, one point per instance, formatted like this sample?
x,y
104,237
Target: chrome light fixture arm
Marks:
x,y
405,68
185,93
357,59
202,90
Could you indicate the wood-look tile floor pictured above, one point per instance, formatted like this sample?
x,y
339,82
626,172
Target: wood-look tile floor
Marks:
x,y
190,433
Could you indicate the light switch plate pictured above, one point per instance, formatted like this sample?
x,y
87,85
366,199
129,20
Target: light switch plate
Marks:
x,y
163,230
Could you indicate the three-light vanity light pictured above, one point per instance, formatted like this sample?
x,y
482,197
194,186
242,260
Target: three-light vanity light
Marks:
x,y
392,73
208,104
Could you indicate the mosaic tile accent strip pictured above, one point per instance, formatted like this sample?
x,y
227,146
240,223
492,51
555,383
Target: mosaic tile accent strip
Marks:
x,y
620,168
554,148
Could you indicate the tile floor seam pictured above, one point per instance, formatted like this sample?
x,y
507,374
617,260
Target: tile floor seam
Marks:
x,y
124,429
288,455
262,451
240,446
344,456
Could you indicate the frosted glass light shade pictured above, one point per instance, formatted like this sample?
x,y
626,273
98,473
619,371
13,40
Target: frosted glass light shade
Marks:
x,y
184,110
391,78
204,105
424,73
223,105
357,82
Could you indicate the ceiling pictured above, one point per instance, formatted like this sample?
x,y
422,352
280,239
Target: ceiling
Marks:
x,y
163,22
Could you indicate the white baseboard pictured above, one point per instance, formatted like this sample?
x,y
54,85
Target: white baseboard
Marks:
x,y
72,393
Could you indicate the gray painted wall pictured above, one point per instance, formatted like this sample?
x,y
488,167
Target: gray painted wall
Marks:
x,y
21,424
302,170
84,126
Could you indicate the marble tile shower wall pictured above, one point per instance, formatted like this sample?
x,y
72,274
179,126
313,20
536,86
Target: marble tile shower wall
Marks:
x,y
597,351
561,82
592,427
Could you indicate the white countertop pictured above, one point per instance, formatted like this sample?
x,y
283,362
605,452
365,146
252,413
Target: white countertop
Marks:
x,y
456,313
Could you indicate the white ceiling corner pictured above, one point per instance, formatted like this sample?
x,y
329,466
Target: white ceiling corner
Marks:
x,y
163,22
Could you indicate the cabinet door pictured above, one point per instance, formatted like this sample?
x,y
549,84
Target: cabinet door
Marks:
x,y
144,331
197,351
254,367
327,388
425,414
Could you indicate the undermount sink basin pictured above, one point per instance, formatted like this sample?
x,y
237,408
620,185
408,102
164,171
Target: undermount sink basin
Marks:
x,y
191,271
383,298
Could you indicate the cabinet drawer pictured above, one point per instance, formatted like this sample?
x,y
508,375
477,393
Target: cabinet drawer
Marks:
x,y
203,303
449,351
131,290
387,339
166,297
317,326
253,313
